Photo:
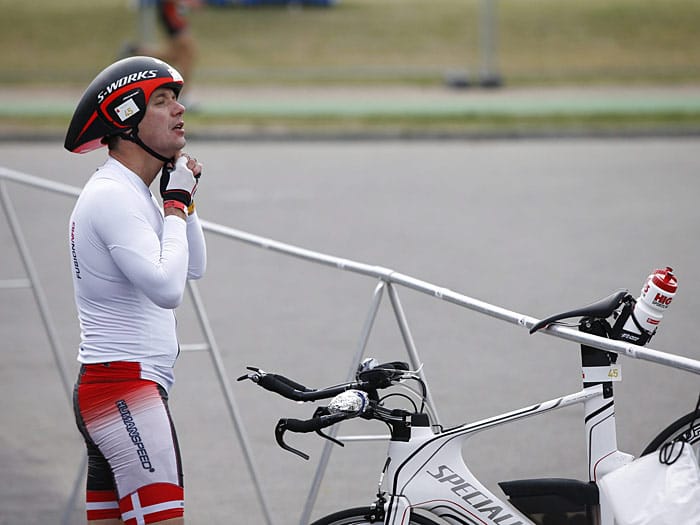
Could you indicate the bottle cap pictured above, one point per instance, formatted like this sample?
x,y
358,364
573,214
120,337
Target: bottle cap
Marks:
x,y
665,280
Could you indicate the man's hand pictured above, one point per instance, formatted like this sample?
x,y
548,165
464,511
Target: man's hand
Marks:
x,y
180,183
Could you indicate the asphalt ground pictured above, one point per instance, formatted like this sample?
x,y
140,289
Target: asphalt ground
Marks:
x,y
535,226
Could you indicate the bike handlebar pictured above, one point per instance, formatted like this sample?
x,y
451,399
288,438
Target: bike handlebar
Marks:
x,y
378,377
315,424
285,387
295,391
303,426
369,380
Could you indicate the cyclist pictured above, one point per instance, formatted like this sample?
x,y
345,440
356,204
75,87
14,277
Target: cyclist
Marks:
x,y
130,262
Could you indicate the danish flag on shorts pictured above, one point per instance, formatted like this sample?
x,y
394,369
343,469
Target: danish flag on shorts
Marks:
x,y
157,502
102,505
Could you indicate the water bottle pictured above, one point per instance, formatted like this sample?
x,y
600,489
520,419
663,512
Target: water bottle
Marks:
x,y
641,323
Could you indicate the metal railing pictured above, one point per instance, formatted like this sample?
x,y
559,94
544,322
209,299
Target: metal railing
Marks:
x,y
388,281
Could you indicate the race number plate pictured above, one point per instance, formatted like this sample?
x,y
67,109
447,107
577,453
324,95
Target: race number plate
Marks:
x,y
599,374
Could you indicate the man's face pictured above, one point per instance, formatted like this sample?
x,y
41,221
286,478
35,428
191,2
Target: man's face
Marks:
x,y
162,127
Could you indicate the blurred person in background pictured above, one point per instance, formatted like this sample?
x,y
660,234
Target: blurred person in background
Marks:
x,y
180,48
131,258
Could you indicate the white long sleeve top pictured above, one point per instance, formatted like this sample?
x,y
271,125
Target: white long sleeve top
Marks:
x,y
130,266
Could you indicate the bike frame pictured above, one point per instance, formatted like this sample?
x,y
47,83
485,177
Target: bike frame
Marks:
x,y
428,471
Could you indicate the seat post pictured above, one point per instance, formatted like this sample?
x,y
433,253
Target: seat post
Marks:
x,y
600,367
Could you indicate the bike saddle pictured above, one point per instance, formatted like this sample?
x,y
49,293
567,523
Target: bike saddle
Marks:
x,y
602,308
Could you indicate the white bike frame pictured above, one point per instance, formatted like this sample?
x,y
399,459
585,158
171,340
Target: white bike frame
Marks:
x,y
428,471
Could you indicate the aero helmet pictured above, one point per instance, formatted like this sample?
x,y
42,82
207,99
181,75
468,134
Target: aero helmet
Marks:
x,y
115,102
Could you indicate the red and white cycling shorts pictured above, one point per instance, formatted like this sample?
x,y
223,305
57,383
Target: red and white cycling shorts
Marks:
x,y
134,468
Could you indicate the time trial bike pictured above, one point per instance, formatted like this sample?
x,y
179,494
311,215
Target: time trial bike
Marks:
x,y
424,479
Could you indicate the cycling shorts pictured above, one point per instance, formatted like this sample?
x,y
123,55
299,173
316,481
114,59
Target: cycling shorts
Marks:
x,y
172,16
134,467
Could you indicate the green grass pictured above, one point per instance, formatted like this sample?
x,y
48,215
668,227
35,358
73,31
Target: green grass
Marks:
x,y
461,125
457,124
540,42
371,41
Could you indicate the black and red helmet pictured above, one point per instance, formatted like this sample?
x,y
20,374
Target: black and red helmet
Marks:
x,y
115,101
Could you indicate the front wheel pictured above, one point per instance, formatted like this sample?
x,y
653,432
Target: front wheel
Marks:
x,y
677,430
358,516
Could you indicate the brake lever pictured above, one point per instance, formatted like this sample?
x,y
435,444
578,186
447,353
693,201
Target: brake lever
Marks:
x,y
323,411
280,429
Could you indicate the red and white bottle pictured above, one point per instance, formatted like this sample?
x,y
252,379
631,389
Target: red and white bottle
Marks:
x,y
656,296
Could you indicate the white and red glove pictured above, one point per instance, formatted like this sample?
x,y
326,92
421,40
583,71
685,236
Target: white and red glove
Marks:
x,y
179,184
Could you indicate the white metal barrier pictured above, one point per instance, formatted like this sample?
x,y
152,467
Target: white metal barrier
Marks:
x,y
388,280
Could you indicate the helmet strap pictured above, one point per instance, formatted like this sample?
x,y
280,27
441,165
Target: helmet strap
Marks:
x,y
134,137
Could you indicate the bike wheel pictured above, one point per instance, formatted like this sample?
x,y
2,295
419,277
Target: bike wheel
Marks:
x,y
679,429
357,515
